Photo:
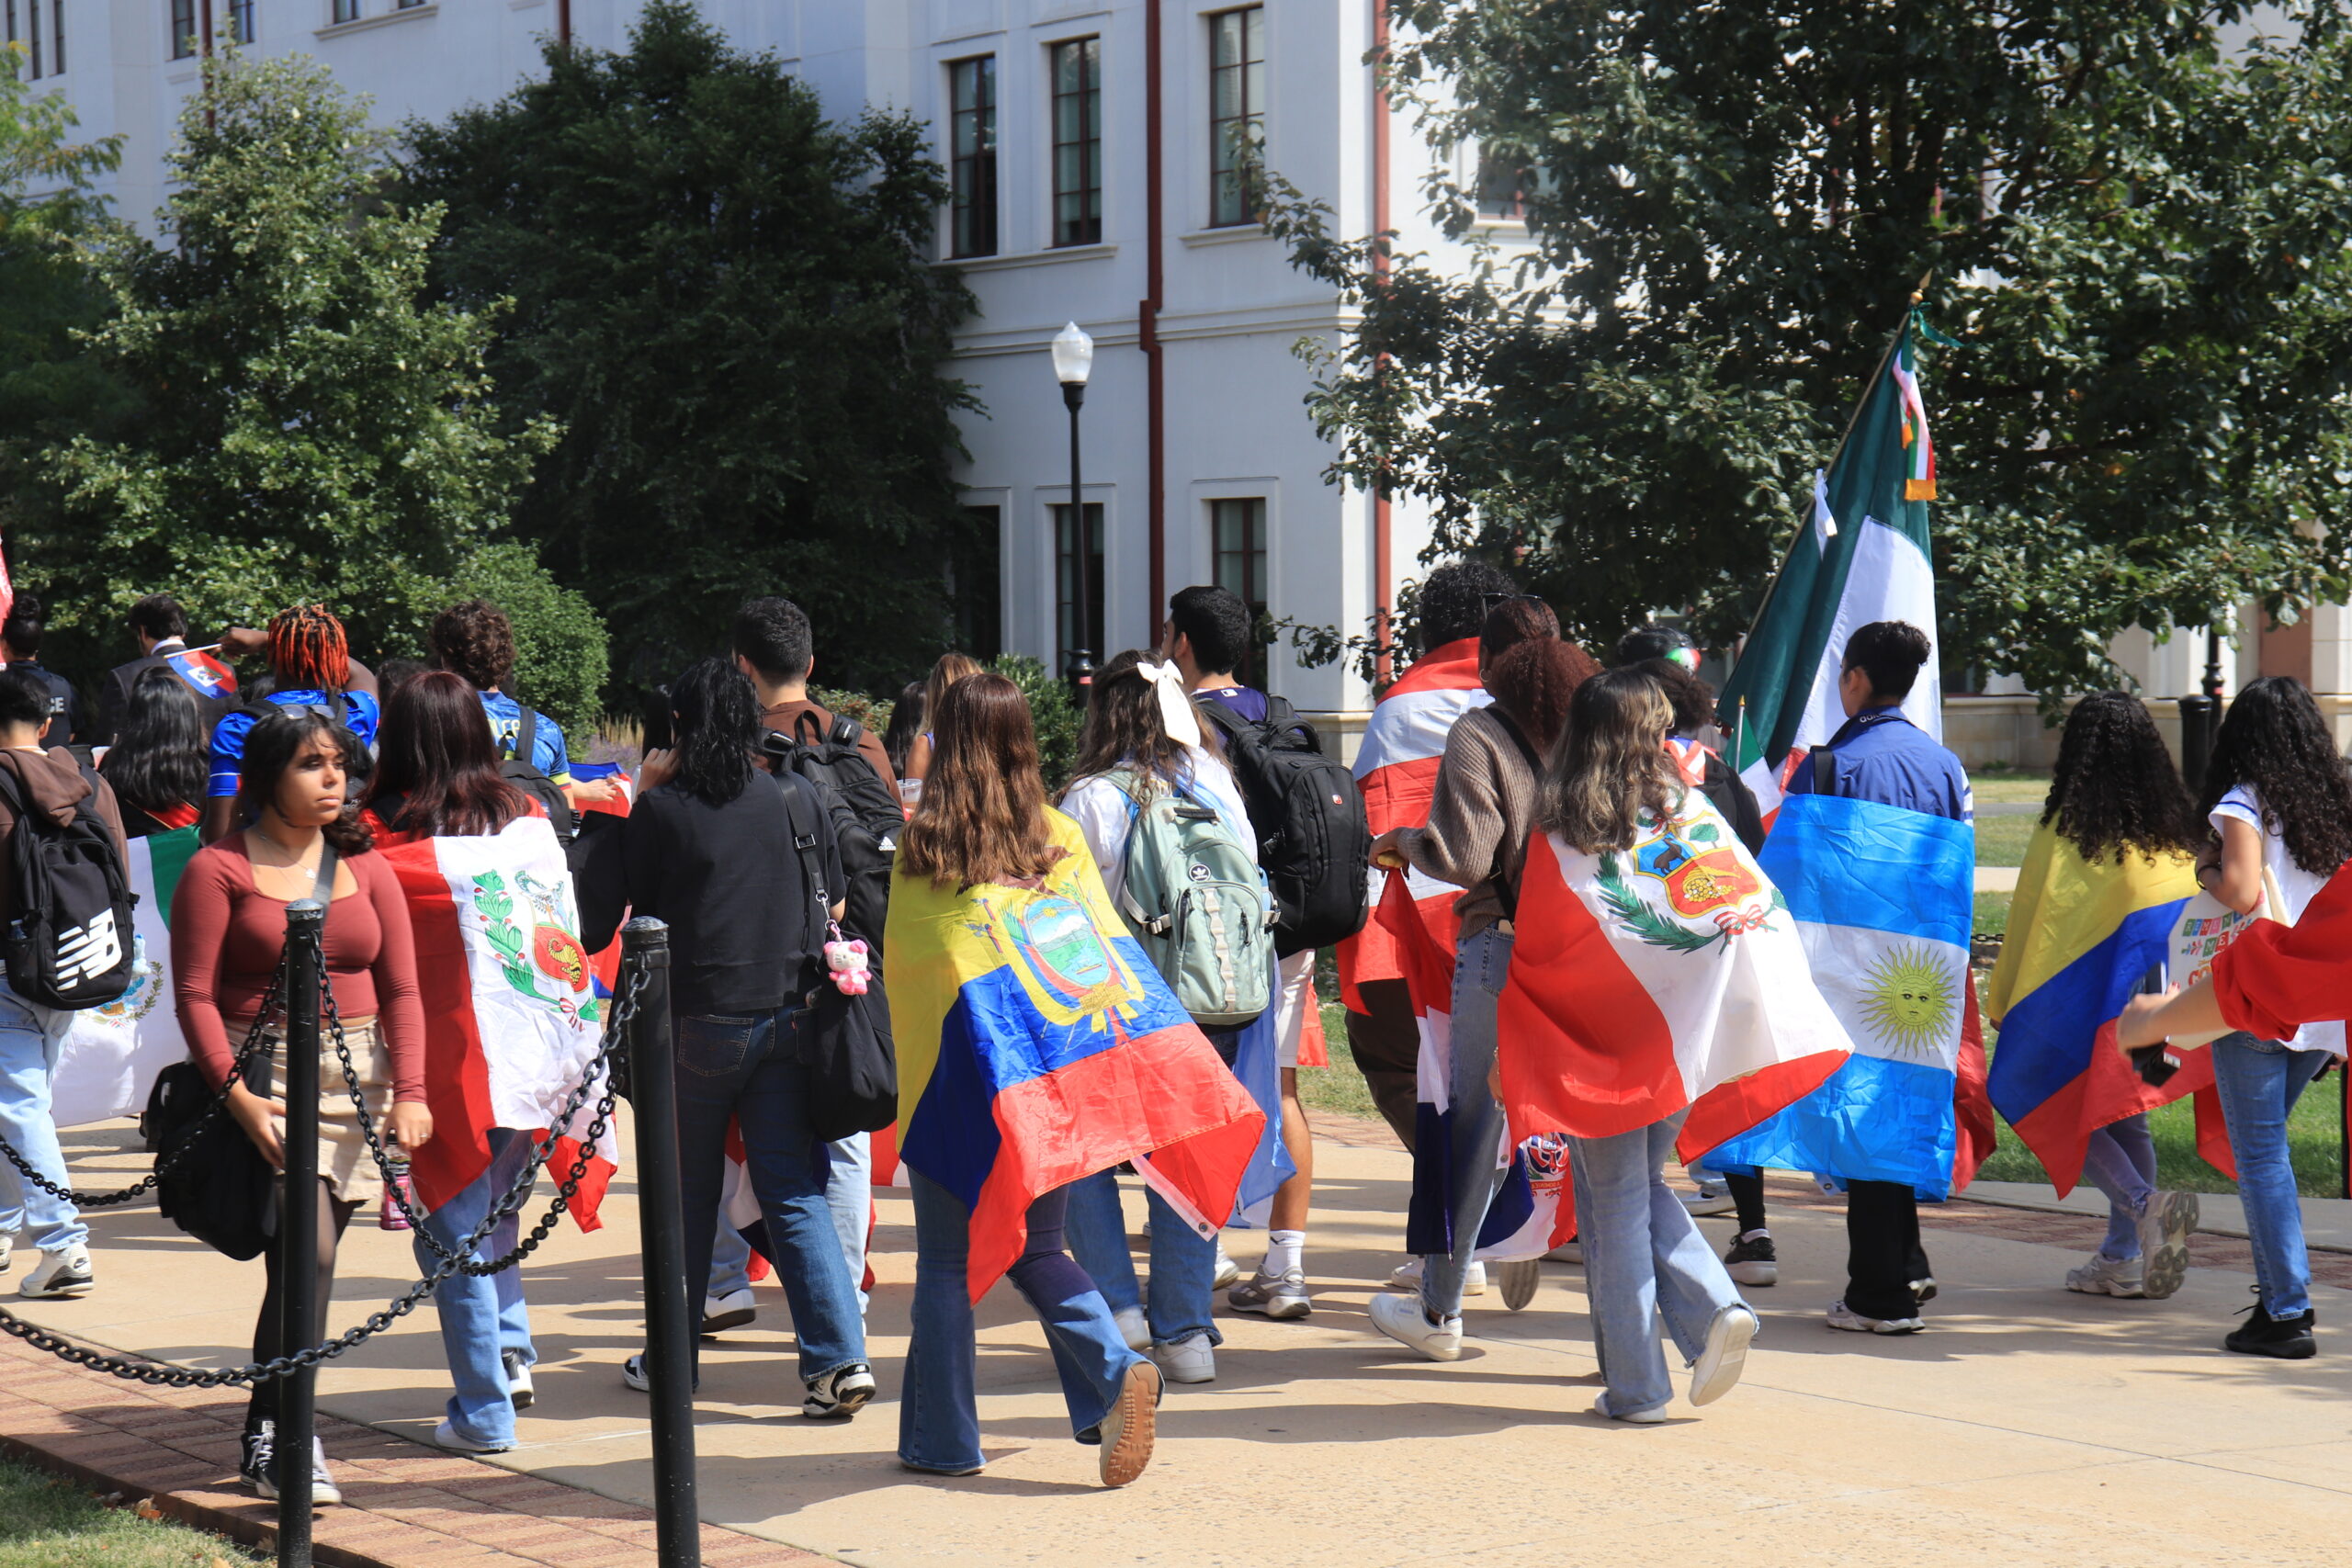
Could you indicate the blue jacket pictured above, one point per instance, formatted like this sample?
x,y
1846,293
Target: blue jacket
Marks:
x,y
1880,755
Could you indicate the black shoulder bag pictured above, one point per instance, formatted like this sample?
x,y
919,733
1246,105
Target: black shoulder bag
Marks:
x,y
844,1040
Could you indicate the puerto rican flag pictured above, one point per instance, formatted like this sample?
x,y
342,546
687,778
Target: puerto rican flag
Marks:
x,y
1396,766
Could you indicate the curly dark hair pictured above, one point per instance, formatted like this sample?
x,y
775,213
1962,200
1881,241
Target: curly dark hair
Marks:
x,y
476,640
2275,741
1453,603
2115,787
718,718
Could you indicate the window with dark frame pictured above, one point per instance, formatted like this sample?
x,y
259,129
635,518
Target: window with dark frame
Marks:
x,y
1065,585
32,36
1238,564
1504,188
975,598
183,42
1078,141
241,20
972,156
56,35
344,11
1236,108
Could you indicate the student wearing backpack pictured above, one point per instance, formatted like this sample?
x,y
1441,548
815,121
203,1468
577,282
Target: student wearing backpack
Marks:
x,y
1162,816
50,782
21,635
311,667
476,640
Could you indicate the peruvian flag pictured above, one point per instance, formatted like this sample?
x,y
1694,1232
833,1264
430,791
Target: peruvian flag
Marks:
x,y
512,1014
1649,979
1396,766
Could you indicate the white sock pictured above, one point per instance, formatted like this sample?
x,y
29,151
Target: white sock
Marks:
x,y
1285,1250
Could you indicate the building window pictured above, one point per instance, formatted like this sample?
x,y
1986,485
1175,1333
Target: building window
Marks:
x,y
30,38
1065,585
972,156
974,605
241,21
184,40
1504,188
1078,141
1236,108
344,11
1237,543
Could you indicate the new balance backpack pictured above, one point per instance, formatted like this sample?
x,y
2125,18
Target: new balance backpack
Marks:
x,y
69,945
1314,839
517,766
864,810
1194,899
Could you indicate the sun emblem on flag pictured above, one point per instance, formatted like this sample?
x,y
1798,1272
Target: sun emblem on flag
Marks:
x,y
1907,999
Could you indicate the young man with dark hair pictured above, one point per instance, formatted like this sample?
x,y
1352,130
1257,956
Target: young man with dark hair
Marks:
x,y
161,627
21,634
774,646
30,1034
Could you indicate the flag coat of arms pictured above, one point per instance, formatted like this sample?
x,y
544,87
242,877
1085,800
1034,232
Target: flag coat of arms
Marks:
x,y
1396,766
1883,898
204,675
1655,980
1037,1045
512,1014
108,1059
1864,557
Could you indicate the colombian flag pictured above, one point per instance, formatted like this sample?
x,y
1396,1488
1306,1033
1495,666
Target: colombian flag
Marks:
x,y
1037,1045
2081,937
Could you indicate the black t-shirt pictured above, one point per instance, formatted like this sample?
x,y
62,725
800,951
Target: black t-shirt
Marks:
x,y
64,706
744,927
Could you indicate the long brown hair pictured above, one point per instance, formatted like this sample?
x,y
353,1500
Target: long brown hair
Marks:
x,y
1611,763
982,817
1124,729
952,667
439,761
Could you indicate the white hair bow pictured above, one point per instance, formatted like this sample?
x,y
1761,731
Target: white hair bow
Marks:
x,y
1176,715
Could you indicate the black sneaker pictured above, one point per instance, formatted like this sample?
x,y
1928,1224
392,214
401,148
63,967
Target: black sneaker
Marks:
x,y
2289,1339
1752,1262
841,1392
258,1457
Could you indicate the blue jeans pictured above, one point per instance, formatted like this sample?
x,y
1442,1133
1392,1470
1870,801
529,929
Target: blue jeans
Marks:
x,y
30,1037
939,1423
1182,1264
849,1196
483,1318
1481,964
746,1068
1644,1257
2259,1082
2120,1161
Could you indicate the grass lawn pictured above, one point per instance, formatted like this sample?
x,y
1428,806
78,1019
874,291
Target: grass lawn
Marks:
x,y
2001,840
1338,1087
48,1523
1992,914
2009,786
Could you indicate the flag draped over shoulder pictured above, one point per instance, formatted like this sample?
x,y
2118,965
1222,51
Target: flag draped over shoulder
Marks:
x,y
512,1015
108,1060
1883,898
2082,939
1863,558
1396,766
1646,980
1037,1045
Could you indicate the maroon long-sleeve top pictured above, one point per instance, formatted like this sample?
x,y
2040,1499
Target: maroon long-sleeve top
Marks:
x,y
227,934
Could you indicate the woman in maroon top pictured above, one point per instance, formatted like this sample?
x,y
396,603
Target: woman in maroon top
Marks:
x,y
228,929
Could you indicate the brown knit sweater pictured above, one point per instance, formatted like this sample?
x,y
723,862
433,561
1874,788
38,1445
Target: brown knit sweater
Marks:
x,y
1479,817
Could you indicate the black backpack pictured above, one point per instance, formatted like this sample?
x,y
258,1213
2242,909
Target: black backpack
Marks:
x,y
70,945
1314,841
844,1040
517,769
865,811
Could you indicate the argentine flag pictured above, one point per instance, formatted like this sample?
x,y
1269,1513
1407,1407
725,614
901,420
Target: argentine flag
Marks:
x,y
1883,898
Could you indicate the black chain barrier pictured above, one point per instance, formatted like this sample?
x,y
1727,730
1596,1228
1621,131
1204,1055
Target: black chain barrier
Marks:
x,y
164,1374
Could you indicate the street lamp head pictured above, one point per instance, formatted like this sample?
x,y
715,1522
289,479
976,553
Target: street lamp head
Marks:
x,y
1073,356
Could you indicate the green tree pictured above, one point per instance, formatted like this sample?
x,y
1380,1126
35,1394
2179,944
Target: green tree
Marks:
x,y
726,302
2144,239
316,428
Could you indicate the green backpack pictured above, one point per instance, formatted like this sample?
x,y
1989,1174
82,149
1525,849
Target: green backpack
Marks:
x,y
1196,902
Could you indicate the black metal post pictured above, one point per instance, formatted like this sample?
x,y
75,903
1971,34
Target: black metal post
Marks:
x,y
1082,653
2196,742
669,1331
297,1228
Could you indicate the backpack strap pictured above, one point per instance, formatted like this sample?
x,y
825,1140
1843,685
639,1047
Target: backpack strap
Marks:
x,y
527,734
800,823
1506,883
1123,780
1824,772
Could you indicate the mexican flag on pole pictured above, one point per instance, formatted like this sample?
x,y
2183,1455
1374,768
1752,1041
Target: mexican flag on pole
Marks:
x,y
111,1056
1863,558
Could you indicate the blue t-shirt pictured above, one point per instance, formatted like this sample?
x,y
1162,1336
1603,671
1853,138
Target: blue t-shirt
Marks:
x,y
547,752
360,713
1245,702
1880,755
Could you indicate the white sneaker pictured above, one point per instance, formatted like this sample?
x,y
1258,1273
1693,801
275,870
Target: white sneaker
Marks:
x,y
519,1387
1717,1369
2164,1230
1407,1277
733,1310
448,1437
1402,1319
1133,1328
1279,1296
1708,1200
1845,1317
61,1276
2105,1275
1638,1418
1228,1273
7,1248
1190,1360
839,1393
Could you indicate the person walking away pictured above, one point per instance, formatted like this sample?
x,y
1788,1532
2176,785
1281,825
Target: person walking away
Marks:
x,y
907,722
476,640
158,763
47,780
20,635
713,847
1144,739
1480,816
950,668
160,627
228,933
2111,865
312,668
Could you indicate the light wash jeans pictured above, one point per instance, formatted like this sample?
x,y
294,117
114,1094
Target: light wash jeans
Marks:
x,y
2259,1082
30,1037
2120,1161
1481,964
1182,1264
939,1424
849,1196
1644,1258
483,1318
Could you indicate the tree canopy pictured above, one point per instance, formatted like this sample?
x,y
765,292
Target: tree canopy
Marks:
x,y
2137,226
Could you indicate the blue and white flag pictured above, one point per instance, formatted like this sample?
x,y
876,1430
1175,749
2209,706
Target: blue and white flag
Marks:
x,y
1883,899
1257,1063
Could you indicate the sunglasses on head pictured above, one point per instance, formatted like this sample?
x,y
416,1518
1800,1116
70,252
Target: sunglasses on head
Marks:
x,y
1486,601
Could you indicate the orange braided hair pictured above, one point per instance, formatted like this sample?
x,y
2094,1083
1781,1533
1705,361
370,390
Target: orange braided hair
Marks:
x,y
307,647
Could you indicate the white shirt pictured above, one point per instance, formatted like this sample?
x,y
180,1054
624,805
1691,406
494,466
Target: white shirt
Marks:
x,y
1103,813
2297,888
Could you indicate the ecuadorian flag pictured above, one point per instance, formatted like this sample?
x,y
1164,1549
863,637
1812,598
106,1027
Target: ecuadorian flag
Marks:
x,y
2081,938
1037,1045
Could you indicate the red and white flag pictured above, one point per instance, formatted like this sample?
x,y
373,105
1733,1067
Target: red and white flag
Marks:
x,y
512,1017
1646,980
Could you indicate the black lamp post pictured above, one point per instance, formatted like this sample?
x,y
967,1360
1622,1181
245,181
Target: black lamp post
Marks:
x,y
1073,358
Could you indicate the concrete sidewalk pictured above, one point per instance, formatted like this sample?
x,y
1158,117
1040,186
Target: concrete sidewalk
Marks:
x,y
2029,1425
